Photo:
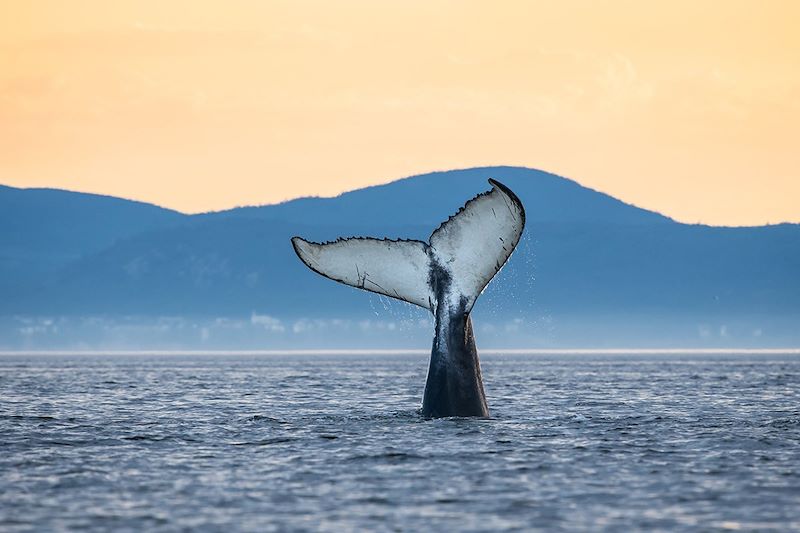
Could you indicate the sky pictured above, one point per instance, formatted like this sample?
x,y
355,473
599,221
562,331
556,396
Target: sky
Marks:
x,y
689,108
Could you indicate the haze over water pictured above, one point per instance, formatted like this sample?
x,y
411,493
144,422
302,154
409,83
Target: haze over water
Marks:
x,y
333,442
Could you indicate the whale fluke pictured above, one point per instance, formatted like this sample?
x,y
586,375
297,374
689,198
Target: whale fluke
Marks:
x,y
471,246
394,268
445,275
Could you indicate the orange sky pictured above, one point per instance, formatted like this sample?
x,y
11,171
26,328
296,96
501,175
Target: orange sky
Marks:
x,y
690,108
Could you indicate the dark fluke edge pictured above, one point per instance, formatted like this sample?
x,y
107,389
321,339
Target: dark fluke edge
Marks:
x,y
444,275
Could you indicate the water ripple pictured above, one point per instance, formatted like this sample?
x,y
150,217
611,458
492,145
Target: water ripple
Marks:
x,y
337,443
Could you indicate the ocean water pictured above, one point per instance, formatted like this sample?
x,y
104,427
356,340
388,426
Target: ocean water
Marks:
x,y
334,442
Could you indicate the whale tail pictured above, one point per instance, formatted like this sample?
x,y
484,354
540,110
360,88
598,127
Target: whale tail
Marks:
x,y
460,258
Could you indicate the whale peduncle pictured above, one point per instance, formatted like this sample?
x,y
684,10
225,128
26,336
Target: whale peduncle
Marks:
x,y
454,386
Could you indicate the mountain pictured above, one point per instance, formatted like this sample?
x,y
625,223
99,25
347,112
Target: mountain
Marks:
x,y
42,230
429,198
589,266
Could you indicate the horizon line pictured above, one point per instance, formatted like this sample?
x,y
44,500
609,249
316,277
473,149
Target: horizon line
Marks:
x,y
381,351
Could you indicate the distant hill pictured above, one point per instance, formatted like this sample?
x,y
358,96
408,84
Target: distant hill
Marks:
x,y
586,258
428,199
42,230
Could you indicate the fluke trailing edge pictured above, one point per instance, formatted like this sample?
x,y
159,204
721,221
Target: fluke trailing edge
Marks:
x,y
445,275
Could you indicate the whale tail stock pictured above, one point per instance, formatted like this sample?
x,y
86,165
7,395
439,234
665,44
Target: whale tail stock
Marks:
x,y
460,258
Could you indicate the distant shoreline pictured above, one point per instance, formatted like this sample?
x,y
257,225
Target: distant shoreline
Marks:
x,y
361,351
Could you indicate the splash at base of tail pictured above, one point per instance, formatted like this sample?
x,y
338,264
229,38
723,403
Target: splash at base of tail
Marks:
x,y
445,275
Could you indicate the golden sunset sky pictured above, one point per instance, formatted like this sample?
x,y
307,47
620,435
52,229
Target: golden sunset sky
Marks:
x,y
690,108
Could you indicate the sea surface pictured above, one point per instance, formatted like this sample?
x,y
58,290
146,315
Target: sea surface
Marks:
x,y
226,442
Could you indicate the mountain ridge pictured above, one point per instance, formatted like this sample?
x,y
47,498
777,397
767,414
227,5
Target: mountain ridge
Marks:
x,y
249,207
584,255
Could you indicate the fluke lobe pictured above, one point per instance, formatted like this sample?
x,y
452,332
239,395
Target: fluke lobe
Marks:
x,y
445,275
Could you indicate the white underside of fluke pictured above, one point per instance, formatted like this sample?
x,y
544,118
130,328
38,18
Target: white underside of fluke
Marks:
x,y
467,251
